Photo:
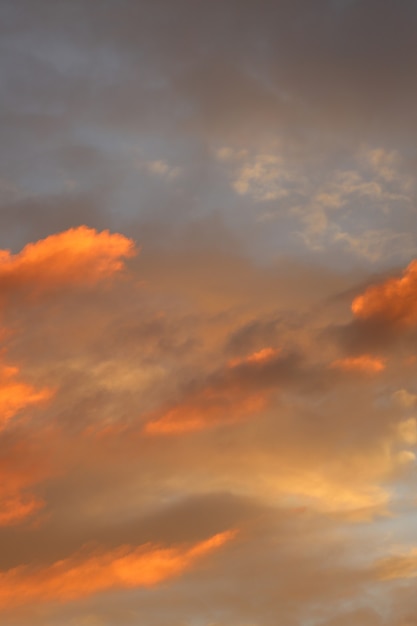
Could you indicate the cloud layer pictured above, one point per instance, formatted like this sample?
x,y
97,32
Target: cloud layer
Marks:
x,y
220,430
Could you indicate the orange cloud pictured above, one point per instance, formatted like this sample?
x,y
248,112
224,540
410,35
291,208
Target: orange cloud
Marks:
x,y
228,399
17,508
125,567
206,410
22,465
394,300
266,354
364,363
77,256
16,395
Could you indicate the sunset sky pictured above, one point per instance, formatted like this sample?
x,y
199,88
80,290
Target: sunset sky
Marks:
x,y
208,313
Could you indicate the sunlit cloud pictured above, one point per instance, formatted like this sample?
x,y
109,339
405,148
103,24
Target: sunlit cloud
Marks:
x,y
16,395
261,356
22,468
77,256
393,300
397,567
254,368
16,508
206,409
365,363
85,574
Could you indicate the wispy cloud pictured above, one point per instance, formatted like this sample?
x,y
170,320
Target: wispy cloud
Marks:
x,y
86,574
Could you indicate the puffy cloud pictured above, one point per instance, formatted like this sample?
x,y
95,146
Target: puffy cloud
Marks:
x,y
77,256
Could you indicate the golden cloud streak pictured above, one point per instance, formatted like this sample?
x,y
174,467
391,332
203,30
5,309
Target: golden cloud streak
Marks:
x,y
365,363
123,568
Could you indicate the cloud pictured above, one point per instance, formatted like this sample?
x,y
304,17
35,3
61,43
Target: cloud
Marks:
x,y
83,575
376,245
265,354
207,409
163,170
398,567
393,301
15,508
407,431
16,395
405,398
293,124
352,206
23,466
384,317
161,364
365,363
239,390
266,177
78,256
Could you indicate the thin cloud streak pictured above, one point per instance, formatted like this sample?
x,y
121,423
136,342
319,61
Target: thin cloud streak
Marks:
x,y
83,575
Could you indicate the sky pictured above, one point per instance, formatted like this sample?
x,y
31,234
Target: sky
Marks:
x,y
208,313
